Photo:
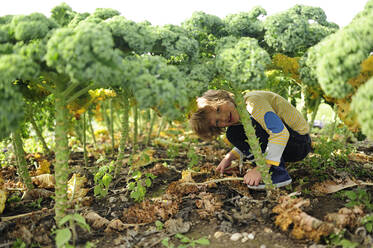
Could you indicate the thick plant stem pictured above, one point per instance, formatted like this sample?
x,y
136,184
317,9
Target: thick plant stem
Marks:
x,y
334,124
124,132
316,108
85,139
160,127
39,135
112,125
152,121
91,129
62,157
135,127
106,118
21,161
252,140
303,100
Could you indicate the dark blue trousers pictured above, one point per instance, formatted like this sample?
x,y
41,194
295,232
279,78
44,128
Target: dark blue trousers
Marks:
x,y
296,149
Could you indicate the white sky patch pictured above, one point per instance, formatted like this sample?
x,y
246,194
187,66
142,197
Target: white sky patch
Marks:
x,y
160,12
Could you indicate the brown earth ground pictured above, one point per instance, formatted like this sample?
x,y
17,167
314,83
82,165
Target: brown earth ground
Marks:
x,y
214,211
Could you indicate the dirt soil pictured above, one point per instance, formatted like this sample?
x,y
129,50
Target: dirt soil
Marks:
x,y
227,213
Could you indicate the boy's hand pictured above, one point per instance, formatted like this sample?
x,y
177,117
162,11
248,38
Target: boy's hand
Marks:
x,y
252,177
225,163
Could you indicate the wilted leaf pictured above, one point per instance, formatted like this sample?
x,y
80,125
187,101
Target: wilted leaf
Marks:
x,y
304,226
329,186
115,225
149,211
177,226
3,196
186,177
345,217
208,204
36,194
44,181
75,186
95,220
44,167
360,157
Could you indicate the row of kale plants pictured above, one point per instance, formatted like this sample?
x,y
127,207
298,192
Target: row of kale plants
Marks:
x,y
296,53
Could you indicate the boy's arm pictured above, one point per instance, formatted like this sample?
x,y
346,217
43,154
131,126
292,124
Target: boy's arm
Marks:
x,y
226,162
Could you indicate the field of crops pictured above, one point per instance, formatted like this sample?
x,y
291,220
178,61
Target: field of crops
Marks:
x,y
97,150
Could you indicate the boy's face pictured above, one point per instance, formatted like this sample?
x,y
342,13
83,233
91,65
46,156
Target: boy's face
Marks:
x,y
223,115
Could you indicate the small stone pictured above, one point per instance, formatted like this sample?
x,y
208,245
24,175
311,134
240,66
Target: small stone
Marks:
x,y
267,230
251,236
264,211
368,166
218,234
112,199
236,236
263,246
115,214
245,234
244,239
317,246
123,198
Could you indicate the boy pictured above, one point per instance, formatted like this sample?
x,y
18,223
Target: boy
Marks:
x,y
282,131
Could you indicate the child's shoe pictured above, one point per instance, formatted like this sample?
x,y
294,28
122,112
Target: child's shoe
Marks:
x,y
280,177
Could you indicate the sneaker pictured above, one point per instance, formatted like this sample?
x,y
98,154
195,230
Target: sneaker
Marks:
x,y
280,178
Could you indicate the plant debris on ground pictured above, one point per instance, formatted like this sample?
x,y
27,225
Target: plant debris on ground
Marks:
x,y
156,201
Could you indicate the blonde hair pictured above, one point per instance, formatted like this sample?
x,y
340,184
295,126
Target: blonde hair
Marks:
x,y
206,103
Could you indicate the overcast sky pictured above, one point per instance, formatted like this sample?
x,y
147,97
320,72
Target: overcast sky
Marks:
x,y
160,12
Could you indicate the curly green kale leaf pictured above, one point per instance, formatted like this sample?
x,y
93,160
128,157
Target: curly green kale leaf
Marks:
x,y
11,110
362,104
131,36
339,56
12,67
162,87
85,53
244,64
293,31
205,23
173,41
30,27
63,14
246,24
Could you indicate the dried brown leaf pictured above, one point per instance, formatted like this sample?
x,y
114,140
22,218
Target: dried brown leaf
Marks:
x,y
304,226
95,220
75,187
36,194
345,217
208,204
360,157
329,186
115,225
149,211
44,181
3,196
177,226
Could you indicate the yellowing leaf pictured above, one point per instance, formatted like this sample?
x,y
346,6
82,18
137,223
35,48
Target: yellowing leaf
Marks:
x,y
44,167
44,181
186,177
3,195
75,187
